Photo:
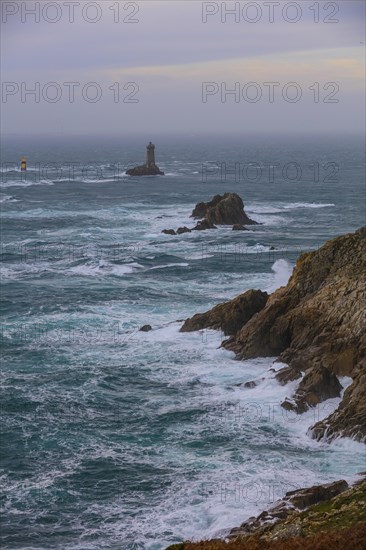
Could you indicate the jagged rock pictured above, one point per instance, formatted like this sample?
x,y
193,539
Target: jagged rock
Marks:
x,y
204,224
184,229
349,420
318,319
200,209
289,405
317,385
303,498
227,209
287,374
229,316
169,232
146,328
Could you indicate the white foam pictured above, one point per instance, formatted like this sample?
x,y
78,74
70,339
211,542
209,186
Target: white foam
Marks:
x,y
280,207
268,219
103,180
16,183
104,268
263,209
168,265
260,452
7,198
269,213
282,272
295,205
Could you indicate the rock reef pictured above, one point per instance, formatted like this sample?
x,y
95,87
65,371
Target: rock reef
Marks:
x,y
145,170
227,209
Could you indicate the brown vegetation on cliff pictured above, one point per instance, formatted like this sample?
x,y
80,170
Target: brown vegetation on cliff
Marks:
x,y
352,538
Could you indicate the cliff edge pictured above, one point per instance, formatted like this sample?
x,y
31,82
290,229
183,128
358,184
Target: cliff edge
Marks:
x,y
317,325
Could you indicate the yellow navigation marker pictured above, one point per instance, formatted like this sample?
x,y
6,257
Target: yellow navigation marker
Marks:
x,y
23,164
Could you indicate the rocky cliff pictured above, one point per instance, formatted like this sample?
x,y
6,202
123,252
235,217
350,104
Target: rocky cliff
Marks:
x,y
317,325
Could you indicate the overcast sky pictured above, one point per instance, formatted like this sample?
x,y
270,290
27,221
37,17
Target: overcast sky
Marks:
x,y
164,58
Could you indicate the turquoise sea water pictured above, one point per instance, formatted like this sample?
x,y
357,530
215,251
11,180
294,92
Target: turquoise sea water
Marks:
x,y
115,438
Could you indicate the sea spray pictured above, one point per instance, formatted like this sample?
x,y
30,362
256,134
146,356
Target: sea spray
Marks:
x,y
282,272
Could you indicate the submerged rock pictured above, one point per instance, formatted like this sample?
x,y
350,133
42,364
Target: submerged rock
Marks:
x,y
146,328
169,232
250,384
184,229
239,227
204,224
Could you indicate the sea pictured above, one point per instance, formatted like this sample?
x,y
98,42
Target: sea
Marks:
x,y
118,438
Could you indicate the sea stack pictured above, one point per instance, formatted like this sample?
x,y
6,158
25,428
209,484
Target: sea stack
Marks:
x,y
149,168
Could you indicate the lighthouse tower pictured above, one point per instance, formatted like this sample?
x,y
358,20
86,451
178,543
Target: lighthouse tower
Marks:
x,y
150,154
149,168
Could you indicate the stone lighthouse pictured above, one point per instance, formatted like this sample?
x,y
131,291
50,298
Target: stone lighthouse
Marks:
x,y
149,168
150,154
